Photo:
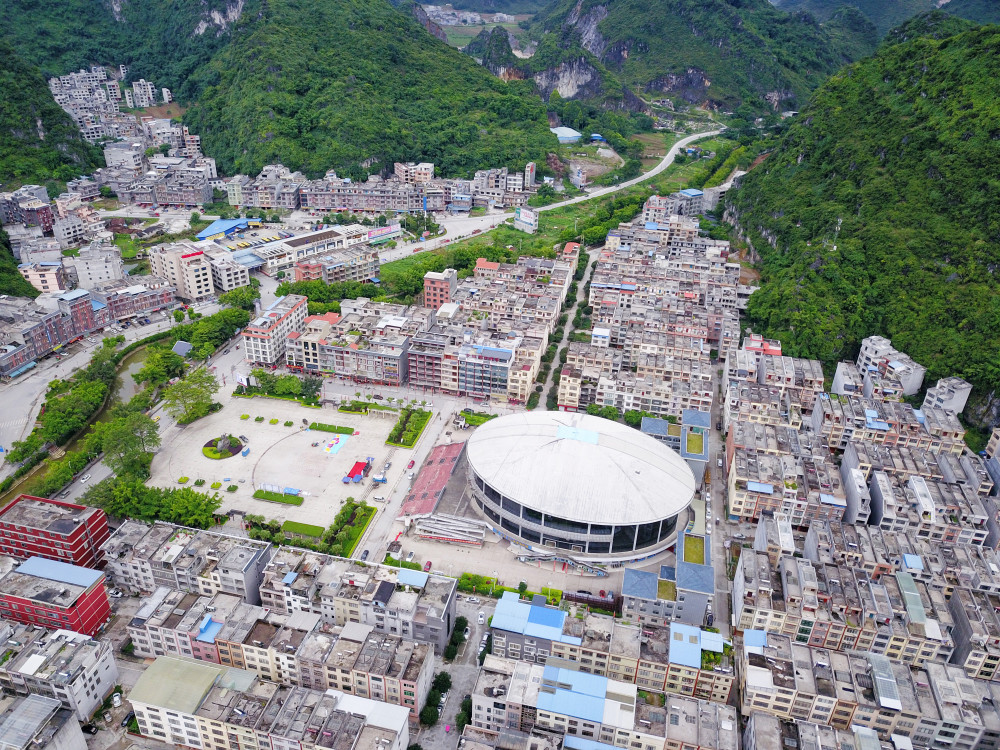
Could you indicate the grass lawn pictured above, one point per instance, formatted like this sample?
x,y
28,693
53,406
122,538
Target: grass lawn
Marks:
x,y
127,245
302,529
475,418
666,590
695,442
694,549
277,497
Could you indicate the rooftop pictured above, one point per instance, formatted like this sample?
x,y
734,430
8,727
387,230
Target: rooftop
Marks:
x,y
175,683
46,515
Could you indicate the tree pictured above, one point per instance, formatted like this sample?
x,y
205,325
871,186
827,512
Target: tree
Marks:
x,y
450,652
442,682
126,443
178,316
610,412
288,385
266,381
242,297
195,217
164,148
191,313
160,366
191,397
593,410
311,387
429,715
106,192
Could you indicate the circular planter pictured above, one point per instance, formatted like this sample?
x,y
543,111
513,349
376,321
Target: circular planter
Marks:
x,y
209,451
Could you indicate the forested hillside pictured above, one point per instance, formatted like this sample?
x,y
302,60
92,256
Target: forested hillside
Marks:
x,y
879,212
165,41
320,84
886,14
700,51
38,140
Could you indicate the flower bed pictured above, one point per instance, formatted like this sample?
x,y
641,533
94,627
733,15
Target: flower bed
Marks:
x,y
182,480
211,448
244,416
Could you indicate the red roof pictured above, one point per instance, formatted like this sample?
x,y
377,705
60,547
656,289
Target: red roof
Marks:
x,y
489,265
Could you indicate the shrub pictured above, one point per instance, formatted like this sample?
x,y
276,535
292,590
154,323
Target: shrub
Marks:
x,y
258,419
216,485
199,482
278,497
232,488
244,416
331,428
274,421
289,423
450,652
182,480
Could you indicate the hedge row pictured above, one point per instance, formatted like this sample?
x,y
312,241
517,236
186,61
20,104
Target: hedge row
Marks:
x,y
331,428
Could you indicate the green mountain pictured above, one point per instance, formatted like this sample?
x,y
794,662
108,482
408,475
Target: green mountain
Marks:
x,y
164,41
719,52
886,14
879,211
321,84
38,140
934,24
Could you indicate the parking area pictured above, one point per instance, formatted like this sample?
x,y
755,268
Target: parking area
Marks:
x,y
280,456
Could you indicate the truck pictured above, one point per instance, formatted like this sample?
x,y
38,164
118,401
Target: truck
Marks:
x,y
379,479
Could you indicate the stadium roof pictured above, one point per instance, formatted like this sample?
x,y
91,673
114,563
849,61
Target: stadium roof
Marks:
x,y
581,468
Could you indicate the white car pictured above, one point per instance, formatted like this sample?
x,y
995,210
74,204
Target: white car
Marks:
x,y
482,618
116,593
84,478
473,600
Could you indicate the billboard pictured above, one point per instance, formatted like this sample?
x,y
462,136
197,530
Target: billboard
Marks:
x,y
526,220
242,379
384,234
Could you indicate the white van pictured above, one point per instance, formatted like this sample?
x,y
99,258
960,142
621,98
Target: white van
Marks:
x,y
409,557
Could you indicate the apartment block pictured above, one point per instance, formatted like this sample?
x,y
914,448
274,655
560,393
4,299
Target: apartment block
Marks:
x,y
357,263
650,600
144,557
440,287
125,299
186,267
315,247
96,265
38,722
264,337
209,707
31,526
70,667
44,276
227,274
54,594
950,394
521,697
414,173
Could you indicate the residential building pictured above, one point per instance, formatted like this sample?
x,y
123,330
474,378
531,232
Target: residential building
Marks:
x,y
951,394
44,276
129,155
55,594
439,287
518,697
186,267
66,532
126,300
651,600
357,263
227,274
144,557
414,174
78,671
70,231
38,723
265,336
209,707
877,353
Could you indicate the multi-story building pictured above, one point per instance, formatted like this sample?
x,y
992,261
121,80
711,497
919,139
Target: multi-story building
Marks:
x,y
186,267
671,659
126,299
950,394
519,697
440,287
144,557
877,353
73,668
357,263
414,173
265,337
45,276
32,526
38,722
209,707
126,155
55,594
227,274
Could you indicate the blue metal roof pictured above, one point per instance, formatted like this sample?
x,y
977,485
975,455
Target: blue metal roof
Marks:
x,y
23,368
654,426
639,583
53,570
408,577
695,577
222,226
685,645
96,305
289,578
208,630
584,699
516,616
914,562
572,742
767,489
691,192
75,294
695,418
755,638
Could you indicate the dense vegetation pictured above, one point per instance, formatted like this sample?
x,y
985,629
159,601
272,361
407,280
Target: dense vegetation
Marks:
x,y
321,84
39,142
722,52
163,41
879,212
886,14
11,282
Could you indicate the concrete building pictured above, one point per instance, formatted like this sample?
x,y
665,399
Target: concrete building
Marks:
x,y
40,723
227,274
44,276
265,336
414,174
70,667
31,526
877,353
357,263
208,707
951,394
186,267
70,231
144,557
55,595
439,287
126,300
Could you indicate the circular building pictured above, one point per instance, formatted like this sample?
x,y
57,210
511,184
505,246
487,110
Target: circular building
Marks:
x,y
595,489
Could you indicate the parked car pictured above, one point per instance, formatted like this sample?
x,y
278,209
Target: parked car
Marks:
x,y
411,464
409,557
467,632
89,729
116,593
364,555
84,478
64,493
116,700
128,717
427,566
719,461
377,397
410,475
482,617
474,600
